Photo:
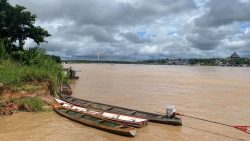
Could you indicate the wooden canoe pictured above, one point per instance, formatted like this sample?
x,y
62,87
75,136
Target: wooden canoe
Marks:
x,y
153,117
95,121
124,119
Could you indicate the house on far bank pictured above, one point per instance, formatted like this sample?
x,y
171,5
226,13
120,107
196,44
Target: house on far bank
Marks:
x,y
234,60
234,56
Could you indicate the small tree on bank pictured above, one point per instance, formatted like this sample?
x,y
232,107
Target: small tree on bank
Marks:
x,y
2,50
17,25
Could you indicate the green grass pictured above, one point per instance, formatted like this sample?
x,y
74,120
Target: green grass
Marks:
x,y
1,104
28,88
14,74
35,104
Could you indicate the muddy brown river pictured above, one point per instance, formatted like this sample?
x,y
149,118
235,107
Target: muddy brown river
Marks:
x,y
220,94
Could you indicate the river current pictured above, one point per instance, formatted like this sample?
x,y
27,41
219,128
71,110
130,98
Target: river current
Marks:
x,y
220,94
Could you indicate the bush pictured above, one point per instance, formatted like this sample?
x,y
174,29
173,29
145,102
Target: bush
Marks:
x,y
14,74
31,65
31,104
2,49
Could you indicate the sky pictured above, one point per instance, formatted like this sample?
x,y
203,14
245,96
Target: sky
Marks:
x,y
143,29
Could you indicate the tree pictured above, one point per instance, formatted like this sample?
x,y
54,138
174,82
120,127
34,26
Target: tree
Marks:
x,y
2,50
17,25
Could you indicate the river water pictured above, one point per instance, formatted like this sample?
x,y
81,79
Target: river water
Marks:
x,y
220,94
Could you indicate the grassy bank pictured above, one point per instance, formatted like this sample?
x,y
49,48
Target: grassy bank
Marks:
x,y
27,80
28,75
15,75
27,87
28,104
31,104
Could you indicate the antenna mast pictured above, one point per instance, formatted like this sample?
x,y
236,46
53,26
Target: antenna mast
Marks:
x,y
98,55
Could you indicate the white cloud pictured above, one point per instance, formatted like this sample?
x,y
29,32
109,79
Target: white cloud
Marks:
x,y
142,28
233,43
149,50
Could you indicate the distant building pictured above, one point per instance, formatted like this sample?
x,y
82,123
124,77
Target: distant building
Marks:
x,y
218,62
234,56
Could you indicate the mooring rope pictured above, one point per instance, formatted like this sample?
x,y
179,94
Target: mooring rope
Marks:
x,y
206,120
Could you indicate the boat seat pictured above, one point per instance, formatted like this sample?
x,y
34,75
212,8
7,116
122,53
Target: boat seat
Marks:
x,y
131,112
86,105
77,116
160,117
110,108
119,126
99,121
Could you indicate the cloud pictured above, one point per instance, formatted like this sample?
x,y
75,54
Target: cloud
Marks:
x,y
208,38
220,27
139,29
224,12
112,13
135,37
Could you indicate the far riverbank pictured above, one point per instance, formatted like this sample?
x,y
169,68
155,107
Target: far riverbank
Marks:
x,y
241,62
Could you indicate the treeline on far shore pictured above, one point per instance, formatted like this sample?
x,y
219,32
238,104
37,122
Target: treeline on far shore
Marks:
x,y
192,62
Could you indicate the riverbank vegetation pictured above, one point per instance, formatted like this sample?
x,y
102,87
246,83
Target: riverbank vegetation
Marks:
x,y
31,104
28,76
29,65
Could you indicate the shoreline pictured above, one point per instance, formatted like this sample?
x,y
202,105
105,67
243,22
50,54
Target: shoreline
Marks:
x,y
156,64
29,97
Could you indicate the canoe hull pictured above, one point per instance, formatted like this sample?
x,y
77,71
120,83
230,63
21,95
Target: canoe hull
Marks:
x,y
176,121
120,110
124,119
129,131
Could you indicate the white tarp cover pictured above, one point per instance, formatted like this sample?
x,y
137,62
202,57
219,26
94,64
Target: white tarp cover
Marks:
x,y
104,114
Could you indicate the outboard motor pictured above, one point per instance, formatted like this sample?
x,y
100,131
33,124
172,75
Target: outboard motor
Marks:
x,y
170,111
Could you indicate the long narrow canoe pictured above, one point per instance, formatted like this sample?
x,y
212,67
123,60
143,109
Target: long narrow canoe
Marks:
x,y
158,118
95,121
124,119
